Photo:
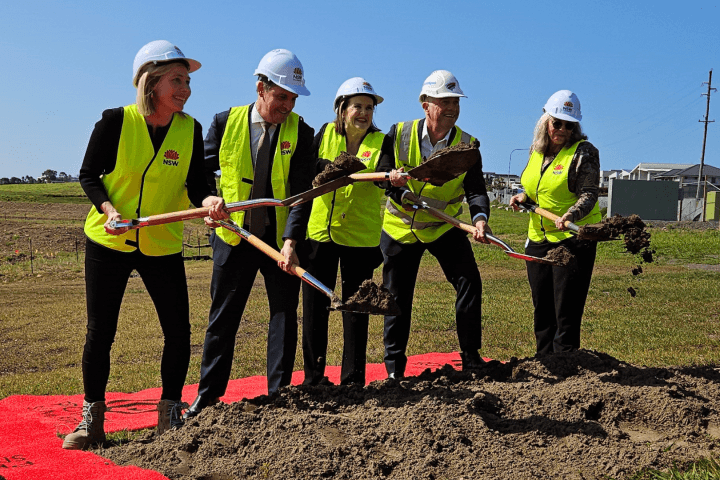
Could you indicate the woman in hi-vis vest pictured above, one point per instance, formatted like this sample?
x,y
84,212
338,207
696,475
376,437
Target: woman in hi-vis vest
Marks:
x,y
142,159
344,229
562,176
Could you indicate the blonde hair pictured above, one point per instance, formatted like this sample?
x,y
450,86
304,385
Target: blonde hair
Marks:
x,y
541,139
150,75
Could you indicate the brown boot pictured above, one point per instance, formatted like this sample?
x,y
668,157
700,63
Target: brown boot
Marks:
x,y
91,429
170,415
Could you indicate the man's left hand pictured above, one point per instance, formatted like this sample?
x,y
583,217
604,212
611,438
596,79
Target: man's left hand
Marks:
x,y
290,255
481,228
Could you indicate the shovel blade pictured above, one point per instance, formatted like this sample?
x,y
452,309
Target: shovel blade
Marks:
x,y
445,165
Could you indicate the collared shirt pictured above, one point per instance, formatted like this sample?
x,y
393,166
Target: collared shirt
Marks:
x,y
426,146
256,131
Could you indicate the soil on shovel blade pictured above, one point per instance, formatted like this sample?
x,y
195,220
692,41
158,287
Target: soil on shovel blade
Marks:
x,y
561,256
373,299
344,164
632,228
578,415
463,156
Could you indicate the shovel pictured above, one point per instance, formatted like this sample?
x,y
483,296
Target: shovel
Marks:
x,y
442,167
549,215
335,302
418,203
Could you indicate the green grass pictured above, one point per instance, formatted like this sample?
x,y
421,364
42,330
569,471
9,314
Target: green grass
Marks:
x,y
70,192
673,320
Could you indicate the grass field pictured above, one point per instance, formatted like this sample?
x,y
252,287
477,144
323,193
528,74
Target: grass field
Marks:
x,y
673,320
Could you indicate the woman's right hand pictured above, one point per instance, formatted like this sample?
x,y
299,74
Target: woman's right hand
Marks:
x,y
517,199
112,216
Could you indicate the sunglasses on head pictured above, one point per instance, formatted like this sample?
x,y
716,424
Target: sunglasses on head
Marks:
x,y
557,125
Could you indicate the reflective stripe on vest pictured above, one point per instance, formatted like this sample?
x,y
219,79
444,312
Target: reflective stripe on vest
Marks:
x,y
236,168
350,215
144,183
411,226
549,190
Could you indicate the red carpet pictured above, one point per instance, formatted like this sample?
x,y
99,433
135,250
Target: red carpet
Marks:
x,y
31,450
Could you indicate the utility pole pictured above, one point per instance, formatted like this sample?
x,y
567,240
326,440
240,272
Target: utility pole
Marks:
x,y
702,157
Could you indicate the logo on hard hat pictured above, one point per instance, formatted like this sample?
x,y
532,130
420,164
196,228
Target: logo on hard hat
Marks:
x,y
171,158
297,74
178,50
450,86
367,87
285,147
558,170
569,104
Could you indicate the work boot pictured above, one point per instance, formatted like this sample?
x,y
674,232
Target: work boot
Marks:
x,y
91,429
198,405
395,376
471,360
170,415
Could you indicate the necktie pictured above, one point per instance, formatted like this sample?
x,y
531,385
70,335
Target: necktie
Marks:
x,y
258,216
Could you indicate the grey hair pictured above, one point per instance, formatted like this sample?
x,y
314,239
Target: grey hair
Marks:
x,y
541,139
150,75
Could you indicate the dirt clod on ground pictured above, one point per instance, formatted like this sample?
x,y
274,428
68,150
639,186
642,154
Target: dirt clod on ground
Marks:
x,y
632,291
578,415
344,164
373,299
637,270
561,256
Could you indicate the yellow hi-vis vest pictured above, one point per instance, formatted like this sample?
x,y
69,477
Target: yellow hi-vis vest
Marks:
x,y
411,226
549,190
237,173
350,215
144,184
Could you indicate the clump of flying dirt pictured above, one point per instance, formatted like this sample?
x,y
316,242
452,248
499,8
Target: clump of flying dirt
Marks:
x,y
373,299
550,416
560,256
344,164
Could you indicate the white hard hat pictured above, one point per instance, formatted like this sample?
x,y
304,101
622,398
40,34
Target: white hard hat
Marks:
x,y
441,83
157,52
284,69
564,105
355,86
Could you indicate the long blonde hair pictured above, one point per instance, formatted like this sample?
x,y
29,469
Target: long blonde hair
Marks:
x,y
150,75
541,139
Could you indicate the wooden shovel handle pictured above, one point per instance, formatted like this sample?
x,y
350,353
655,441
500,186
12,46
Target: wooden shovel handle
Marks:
x,y
163,218
370,177
549,215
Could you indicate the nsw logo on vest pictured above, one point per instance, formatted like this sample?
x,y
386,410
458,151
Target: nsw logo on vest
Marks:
x,y
285,148
171,158
558,170
366,154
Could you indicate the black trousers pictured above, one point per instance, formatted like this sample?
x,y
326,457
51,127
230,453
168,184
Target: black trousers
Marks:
x,y
559,294
402,262
356,265
234,272
106,275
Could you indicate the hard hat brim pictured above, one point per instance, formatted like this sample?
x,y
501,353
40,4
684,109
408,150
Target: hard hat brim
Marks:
x,y
296,89
441,95
564,116
378,99
193,66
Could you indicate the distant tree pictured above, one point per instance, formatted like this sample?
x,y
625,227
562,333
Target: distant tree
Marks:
x,y
50,174
4,181
15,180
63,177
28,179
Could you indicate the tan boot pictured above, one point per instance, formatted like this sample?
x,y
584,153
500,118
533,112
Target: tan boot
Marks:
x,y
91,429
170,415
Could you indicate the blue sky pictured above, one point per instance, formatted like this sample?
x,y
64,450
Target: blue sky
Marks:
x,y
637,67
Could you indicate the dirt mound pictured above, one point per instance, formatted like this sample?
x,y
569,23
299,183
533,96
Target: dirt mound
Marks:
x,y
344,164
575,415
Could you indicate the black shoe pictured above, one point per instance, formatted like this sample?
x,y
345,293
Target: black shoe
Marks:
x,y
471,360
198,405
395,376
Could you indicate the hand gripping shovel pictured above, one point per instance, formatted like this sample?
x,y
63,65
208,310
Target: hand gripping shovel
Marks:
x,y
418,203
443,166
335,302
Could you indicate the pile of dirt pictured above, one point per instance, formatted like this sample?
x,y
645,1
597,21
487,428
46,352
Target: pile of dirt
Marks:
x,y
578,415
373,299
561,256
344,164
